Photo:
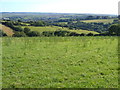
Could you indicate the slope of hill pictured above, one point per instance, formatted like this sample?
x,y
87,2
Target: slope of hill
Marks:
x,y
99,21
7,30
54,28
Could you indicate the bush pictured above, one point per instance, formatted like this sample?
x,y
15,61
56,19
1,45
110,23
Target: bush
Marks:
x,y
33,33
82,34
19,34
73,34
114,29
39,23
90,34
18,28
62,33
26,30
48,33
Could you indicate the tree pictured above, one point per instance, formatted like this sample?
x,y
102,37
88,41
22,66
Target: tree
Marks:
x,y
18,28
90,34
39,23
62,33
48,33
33,34
26,30
82,34
19,34
114,29
73,34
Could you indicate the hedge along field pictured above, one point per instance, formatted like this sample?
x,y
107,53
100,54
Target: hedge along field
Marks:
x,y
60,62
54,28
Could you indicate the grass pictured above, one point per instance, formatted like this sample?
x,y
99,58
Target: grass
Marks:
x,y
7,30
60,62
54,28
99,21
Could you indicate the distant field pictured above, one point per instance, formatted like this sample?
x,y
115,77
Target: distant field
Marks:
x,y
60,62
54,28
99,21
7,30
63,23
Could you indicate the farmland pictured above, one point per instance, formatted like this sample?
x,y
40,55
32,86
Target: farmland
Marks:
x,y
54,28
53,50
60,62
7,30
99,21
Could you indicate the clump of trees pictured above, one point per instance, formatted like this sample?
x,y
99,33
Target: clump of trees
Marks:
x,y
114,30
33,34
39,23
98,27
19,34
26,32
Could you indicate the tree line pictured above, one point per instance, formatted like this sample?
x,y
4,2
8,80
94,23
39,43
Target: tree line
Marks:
x,y
22,32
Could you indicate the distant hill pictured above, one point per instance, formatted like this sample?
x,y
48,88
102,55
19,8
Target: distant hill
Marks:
x,y
43,15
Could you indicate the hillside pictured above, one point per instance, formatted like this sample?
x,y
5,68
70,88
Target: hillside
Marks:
x,y
7,30
98,21
54,28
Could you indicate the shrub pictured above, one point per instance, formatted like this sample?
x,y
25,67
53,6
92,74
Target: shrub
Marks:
x,y
18,28
73,34
90,34
26,30
82,34
62,33
114,30
19,34
33,33
48,33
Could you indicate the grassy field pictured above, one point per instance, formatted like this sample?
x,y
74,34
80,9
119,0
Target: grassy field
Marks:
x,y
7,30
60,62
99,21
54,28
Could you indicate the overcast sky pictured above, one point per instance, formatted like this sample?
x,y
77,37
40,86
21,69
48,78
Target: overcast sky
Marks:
x,y
61,6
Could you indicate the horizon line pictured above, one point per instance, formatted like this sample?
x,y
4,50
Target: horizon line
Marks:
x,y
54,12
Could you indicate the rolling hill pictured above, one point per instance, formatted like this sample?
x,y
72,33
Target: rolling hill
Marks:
x,y
54,28
7,30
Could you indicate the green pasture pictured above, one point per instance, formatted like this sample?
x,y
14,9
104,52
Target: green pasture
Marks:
x,y
60,62
98,21
54,28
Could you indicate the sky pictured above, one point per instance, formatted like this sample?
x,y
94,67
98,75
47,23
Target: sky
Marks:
x,y
61,6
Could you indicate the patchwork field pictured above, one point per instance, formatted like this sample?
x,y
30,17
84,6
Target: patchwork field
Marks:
x,y
60,62
99,21
54,28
